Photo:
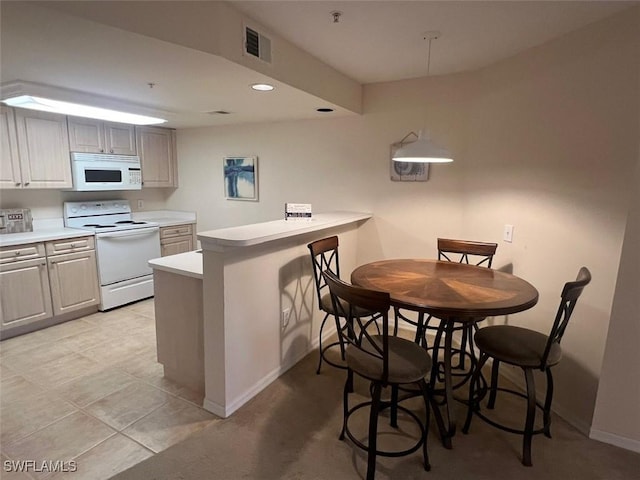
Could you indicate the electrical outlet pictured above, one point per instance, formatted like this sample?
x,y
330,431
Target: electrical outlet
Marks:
x,y
140,204
285,317
508,233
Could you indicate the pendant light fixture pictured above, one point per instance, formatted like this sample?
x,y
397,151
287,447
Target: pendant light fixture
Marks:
x,y
422,150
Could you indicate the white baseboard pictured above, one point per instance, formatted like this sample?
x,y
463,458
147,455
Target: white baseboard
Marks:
x,y
237,402
615,440
214,408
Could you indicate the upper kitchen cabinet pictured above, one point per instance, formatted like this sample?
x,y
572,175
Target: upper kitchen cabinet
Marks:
x,y
9,161
157,152
95,136
35,150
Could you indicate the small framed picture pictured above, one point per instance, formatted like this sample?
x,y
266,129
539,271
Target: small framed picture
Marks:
x,y
407,171
241,178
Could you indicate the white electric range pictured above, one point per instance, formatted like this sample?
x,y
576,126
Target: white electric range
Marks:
x,y
123,248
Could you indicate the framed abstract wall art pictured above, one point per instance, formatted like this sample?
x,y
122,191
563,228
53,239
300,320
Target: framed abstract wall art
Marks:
x,y
407,171
241,178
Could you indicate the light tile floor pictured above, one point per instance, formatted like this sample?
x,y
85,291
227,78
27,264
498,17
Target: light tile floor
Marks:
x,y
90,391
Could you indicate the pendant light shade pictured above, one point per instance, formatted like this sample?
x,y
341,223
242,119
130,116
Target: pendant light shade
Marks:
x,y
422,150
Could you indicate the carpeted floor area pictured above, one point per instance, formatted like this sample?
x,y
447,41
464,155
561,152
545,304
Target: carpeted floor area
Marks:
x,y
290,431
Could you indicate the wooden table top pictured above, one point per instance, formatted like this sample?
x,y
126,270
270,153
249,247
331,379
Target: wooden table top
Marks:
x,y
447,289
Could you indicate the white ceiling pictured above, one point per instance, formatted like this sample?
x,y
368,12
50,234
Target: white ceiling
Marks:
x,y
380,41
373,42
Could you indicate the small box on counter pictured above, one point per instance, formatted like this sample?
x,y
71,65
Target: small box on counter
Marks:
x,y
297,211
15,220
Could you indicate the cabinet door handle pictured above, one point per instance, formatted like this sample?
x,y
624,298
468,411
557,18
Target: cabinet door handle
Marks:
x,y
18,184
26,183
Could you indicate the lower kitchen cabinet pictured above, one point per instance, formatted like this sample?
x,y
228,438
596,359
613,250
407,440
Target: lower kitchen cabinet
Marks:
x,y
25,296
177,239
74,281
39,281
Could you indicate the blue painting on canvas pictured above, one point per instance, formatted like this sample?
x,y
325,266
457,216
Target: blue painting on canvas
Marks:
x,y
240,178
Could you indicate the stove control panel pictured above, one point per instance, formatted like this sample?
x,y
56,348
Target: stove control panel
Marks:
x,y
106,207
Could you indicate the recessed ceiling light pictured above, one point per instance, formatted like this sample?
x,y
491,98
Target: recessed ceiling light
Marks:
x,y
324,110
262,87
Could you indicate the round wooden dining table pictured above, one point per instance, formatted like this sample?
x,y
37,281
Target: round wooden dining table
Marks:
x,y
453,292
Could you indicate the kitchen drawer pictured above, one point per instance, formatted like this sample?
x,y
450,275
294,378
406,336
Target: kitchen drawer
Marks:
x,y
70,245
176,231
16,253
175,245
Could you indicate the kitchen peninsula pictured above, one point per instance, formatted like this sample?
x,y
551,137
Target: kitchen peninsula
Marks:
x,y
254,292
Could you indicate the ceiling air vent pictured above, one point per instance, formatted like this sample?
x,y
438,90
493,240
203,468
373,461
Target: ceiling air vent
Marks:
x,y
257,45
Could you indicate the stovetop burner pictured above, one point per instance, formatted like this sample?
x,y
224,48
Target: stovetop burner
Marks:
x,y
103,216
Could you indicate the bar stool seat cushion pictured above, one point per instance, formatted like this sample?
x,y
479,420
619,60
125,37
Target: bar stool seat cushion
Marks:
x,y
516,345
408,361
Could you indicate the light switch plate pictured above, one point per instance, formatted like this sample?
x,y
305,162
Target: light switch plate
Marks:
x,y
508,233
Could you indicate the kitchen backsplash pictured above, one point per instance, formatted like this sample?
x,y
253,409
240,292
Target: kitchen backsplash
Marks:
x,y
47,204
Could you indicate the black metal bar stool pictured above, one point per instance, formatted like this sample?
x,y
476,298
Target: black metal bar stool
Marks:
x,y
384,360
529,350
460,251
325,256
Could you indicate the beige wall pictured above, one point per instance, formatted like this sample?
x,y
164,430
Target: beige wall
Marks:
x,y
616,418
546,141
552,148
617,414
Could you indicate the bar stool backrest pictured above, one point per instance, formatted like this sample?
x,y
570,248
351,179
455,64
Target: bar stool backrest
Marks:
x,y
348,300
570,294
324,256
449,248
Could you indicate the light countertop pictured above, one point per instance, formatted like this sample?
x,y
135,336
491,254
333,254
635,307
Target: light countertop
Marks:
x,y
188,264
166,218
257,233
45,230
42,235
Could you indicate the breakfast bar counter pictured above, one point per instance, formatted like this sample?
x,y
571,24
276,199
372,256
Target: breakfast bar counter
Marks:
x,y
261,233
177,288
188,264
260,312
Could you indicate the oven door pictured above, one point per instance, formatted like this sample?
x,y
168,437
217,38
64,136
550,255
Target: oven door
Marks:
x,y
125,255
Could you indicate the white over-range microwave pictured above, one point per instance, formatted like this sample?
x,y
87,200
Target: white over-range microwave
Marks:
x,y
95,172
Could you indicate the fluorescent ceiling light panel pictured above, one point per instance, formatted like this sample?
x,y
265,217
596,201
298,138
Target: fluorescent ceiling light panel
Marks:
x,y
77,110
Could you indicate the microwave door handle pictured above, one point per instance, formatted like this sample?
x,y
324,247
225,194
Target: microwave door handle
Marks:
x,y
134,233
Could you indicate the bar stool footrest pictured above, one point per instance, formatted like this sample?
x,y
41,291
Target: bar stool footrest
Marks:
x,y
501,426
385,453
